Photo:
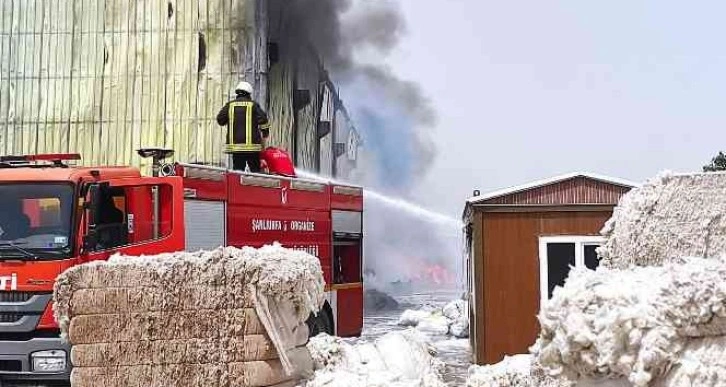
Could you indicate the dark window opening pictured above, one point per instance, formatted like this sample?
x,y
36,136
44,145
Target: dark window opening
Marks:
x,y
591,259
112,227
128,215
560,257
347,264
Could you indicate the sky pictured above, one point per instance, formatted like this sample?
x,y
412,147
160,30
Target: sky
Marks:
x,y
530,90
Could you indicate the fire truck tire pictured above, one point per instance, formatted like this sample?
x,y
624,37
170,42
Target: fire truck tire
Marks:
x,y
323,322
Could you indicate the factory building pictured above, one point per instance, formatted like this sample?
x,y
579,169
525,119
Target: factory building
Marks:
x,y
106,77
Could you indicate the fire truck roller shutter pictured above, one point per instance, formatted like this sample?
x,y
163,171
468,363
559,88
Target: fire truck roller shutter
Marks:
x,y
205,224
348,222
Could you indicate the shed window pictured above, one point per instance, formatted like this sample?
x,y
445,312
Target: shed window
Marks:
x,y
559,254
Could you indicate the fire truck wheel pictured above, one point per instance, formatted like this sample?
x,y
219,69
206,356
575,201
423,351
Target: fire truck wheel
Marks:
x,y
322,323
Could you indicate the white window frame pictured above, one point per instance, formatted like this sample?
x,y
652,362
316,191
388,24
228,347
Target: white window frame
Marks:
x,y
579,241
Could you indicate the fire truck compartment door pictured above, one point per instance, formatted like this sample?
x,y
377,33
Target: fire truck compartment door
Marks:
x,y
347,222
205,224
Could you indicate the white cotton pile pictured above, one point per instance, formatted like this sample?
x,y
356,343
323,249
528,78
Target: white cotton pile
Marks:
x,y
514,371
631,323
411,317
671,215
458,313
397,359
702,363
452,319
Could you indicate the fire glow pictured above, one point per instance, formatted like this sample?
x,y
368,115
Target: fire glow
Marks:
x,y
431,273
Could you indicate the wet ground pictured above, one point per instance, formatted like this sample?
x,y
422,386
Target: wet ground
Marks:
x,y
456,353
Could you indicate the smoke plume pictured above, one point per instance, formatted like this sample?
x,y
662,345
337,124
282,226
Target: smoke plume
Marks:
x,y
396,120
344,32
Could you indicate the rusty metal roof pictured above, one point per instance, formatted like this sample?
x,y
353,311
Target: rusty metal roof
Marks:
x,y
559,194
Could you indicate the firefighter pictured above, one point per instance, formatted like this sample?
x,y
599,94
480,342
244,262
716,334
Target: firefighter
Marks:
x,y
112,228
278,162
14,223
247,129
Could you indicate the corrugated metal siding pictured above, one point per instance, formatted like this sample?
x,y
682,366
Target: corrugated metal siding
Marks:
x,y
298,67
281,78
579,190
506,271
281,87
308,78
105,77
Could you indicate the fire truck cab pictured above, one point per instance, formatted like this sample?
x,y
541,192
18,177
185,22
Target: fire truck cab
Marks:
x,y
54,216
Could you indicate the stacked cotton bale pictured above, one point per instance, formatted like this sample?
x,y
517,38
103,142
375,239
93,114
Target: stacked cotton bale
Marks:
x,y
670,216
229,317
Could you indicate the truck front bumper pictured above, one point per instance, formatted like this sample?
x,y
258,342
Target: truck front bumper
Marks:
x,y
16,363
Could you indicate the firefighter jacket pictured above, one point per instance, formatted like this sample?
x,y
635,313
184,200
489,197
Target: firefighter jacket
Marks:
x,y
247,125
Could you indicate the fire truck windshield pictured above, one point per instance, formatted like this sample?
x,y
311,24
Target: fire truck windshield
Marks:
x,y
35,221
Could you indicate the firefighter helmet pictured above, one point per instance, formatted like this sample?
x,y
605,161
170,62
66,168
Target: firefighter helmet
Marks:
x,y
243,87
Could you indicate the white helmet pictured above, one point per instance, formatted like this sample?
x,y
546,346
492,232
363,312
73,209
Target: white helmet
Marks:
x,y
244,87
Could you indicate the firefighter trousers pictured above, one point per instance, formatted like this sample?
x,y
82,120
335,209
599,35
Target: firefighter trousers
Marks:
x,y
242,160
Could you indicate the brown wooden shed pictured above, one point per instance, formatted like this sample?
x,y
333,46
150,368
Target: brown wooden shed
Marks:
x,y
521,242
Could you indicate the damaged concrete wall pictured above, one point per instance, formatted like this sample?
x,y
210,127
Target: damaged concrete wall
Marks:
x,y
106,77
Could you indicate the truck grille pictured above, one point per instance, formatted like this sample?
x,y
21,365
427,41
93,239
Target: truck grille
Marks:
x,y
10,317
16,296
11,365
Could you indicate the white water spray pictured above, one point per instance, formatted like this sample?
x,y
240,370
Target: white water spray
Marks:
x,y
398,203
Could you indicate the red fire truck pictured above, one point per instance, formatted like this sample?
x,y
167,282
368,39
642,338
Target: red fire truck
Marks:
x,y
54,216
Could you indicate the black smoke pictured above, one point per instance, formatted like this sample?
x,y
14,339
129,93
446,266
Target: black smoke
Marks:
x,y
339,29
396,120
344,30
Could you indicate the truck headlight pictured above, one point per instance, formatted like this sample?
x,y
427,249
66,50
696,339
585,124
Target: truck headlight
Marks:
x,y
49,361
